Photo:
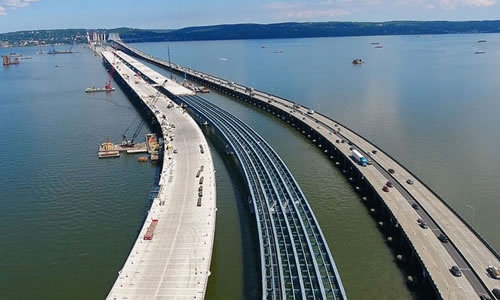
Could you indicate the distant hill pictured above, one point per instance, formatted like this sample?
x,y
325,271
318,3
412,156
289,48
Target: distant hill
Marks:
x,y
262,31
317,29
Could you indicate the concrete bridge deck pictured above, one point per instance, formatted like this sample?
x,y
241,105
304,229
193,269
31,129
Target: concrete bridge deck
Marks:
x,y
467,249
175,263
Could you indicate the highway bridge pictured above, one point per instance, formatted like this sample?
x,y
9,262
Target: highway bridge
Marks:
x,y
406,204
296,262
171,256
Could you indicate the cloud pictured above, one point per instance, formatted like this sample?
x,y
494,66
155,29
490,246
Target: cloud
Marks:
x,y
13,4
305,10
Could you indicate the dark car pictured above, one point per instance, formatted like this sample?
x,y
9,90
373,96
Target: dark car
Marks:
x,y
456,271
409,181
342,141
391,171
336,141
414,205
424,225
443,238
494,272
389,184
385,188
374,151
496,292
349,143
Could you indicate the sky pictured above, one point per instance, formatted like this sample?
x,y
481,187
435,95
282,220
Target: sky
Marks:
x,y
171,14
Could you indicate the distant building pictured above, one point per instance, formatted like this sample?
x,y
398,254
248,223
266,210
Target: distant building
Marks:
x,y
95,37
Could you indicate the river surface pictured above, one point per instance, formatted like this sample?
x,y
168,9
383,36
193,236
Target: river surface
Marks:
x,y
69,219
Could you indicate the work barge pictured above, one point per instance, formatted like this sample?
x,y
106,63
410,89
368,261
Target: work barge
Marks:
x,y
172,254
398,211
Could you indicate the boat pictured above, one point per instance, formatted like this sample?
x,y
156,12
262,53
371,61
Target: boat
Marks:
x,y
203,89
481,41
357,61
479,52
15,54
378,47
375,43
278,52
143,159
25,57
107,150
94,90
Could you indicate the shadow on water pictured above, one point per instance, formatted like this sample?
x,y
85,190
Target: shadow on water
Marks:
x,y
233,180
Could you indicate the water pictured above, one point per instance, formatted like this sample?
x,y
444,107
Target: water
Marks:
x,y
68,219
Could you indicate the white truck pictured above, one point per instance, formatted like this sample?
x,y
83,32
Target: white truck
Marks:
x,y
360,159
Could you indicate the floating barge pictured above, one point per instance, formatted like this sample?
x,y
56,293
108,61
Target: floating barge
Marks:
x,y
109,149
94,90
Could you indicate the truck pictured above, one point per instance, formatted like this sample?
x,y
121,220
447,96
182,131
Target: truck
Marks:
x,y
360,159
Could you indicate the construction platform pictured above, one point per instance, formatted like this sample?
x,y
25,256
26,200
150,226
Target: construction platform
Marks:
x,y
109,149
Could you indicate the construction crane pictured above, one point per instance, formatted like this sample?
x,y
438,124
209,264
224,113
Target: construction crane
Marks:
x,y
130,143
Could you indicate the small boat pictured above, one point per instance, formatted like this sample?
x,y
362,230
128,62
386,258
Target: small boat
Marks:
x,y
357,61
25,57
375,43
94,90
378,47
203,89
143,159
264,46
481,41
278,52
479,52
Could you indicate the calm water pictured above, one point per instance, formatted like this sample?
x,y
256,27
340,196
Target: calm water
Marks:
x,y
68,219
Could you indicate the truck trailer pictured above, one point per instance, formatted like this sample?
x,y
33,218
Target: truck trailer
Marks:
x,y
360,159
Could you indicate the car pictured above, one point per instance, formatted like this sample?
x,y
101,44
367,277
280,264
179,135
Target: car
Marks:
x,y
456,271
443,238
368,162
374,151
423,225
175,151
409,181
385,188
336,141
494,272
496,292
484,297
420,221
389,184
349,143
342,141
391,171
414,205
